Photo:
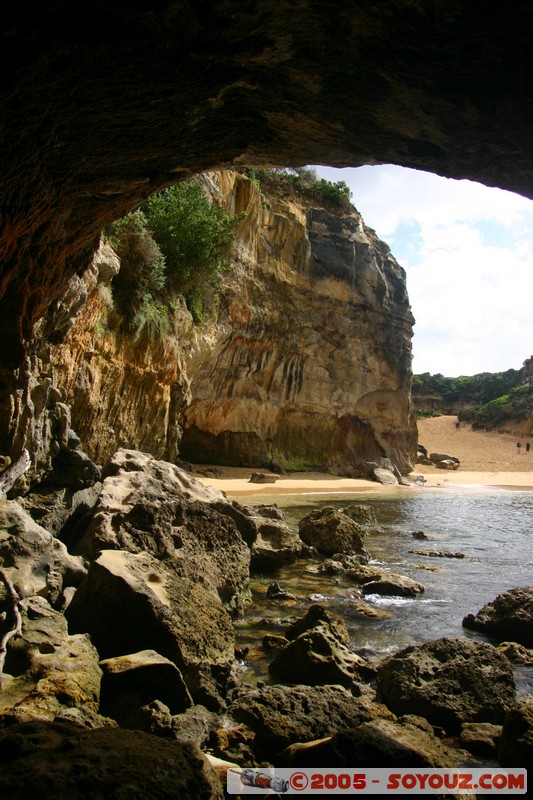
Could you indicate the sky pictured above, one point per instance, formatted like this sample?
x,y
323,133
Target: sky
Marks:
x,y
468,253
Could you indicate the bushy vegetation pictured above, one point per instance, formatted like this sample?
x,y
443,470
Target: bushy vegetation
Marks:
x,y
176,244
486,400
303,181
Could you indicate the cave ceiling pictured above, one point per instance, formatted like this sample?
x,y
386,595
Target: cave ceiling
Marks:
x,y
102,103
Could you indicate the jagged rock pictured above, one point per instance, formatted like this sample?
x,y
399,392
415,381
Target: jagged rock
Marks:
x,y
74,468
508,617
448,681
84,717
282,715
361,513
272,642
132,681
60,510
481,738
55,761
274,546
46,670
275,592
177,618
318,615
269,512
516,742
317,657
153,506
406,742
35,561
517,654
378,580
331,531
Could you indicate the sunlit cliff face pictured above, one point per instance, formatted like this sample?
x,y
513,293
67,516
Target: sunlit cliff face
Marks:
x,y
100,108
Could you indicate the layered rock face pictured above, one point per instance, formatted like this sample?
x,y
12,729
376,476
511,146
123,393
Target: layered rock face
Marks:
x,y
308,364
93,122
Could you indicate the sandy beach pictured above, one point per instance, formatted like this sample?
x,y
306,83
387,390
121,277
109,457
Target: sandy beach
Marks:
x,y
487,459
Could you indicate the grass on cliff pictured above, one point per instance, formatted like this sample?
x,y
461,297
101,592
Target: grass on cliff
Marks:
x,y
302,182
177,244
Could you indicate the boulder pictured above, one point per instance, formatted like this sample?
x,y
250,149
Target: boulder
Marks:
x,y
448,681
317,657
331,531
508,617
274,546
46,670
177,618
34,560
282,715
132,681
384,476
56,761
318,615
447,463
516,742
481,738
360,512
263,477
152,506
406,742
436,457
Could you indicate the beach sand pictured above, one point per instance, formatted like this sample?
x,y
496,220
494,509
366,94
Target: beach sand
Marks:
x,y
487,459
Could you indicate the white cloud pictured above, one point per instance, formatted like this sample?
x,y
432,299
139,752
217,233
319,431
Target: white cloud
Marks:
x,y
468,253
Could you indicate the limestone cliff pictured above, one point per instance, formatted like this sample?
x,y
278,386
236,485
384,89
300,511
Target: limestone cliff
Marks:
x,y
309,362
306,365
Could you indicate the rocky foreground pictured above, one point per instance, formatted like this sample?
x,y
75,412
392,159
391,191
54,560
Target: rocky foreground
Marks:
x,y
117,649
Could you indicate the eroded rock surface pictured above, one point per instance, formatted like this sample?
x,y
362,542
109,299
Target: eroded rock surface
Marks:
x,y
331,531
448,681
508,617
59,762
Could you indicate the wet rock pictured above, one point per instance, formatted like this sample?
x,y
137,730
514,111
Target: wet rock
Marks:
x,y
317,657
394,586
282,715
272,642
85,717
274,546
378,580
516,742
480,738
360,512
419,535
46,670
56,762
34,560
437,553
331,531
135,680
275,592
508,617
406,742
152,506
269,512
516,653
179,619
448,681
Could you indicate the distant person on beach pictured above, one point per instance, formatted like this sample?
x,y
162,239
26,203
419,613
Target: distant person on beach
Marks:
x,y
457,424
518,447
528,447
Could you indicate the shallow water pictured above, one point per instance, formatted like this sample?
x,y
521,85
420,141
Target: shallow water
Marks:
x,y
492,528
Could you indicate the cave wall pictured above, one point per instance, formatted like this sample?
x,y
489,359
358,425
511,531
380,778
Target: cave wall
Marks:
x,y
101,105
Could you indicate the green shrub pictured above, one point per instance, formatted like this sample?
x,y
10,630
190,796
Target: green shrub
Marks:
x,y
151,320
